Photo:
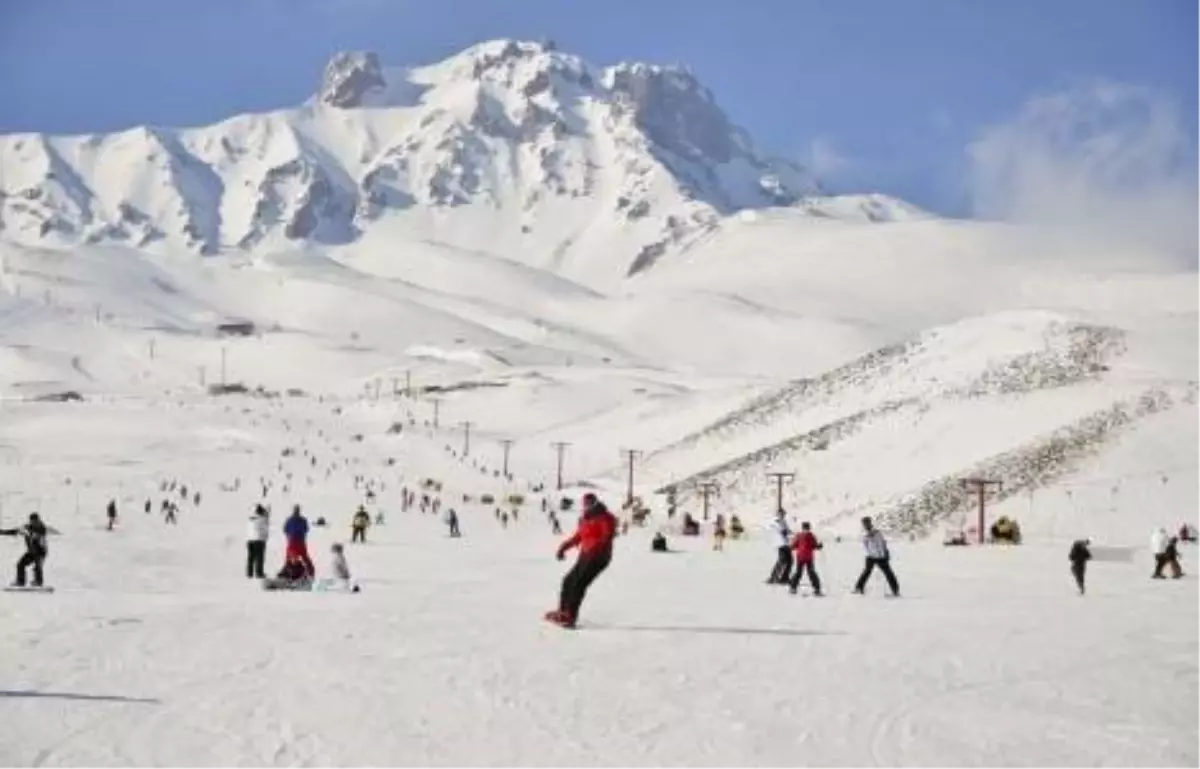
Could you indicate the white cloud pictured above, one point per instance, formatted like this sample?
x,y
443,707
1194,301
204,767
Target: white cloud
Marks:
x,y
824,160
1107,160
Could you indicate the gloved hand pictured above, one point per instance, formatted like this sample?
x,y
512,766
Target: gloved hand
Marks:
x,y
560,555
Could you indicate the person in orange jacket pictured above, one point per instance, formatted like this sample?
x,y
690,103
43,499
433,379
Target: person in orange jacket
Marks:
x,y
594,537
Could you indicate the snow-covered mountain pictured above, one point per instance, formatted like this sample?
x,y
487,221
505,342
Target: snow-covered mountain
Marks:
x,y
507,147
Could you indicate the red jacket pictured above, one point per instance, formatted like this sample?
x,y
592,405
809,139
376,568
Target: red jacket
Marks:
x,y
595,532
806,545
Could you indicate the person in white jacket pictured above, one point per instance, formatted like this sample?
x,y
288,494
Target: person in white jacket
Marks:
x,y
258,528
1158,545
781,535
877,556
340,571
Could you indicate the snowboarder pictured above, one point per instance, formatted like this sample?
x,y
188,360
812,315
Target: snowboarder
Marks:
x,y
295,529
877,555
782,537
806,545
171,510
1079,556
452,522
34,533
1171,557
594,537
147,507
257,533
296,574
358,526
111,512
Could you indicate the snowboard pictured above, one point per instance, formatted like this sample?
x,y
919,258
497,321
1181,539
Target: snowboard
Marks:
x,y
28,589
274,583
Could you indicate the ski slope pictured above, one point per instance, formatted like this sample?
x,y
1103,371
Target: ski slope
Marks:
x,y
155,651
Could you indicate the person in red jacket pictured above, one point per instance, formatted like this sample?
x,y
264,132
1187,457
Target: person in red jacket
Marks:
x,y
806,546
594,537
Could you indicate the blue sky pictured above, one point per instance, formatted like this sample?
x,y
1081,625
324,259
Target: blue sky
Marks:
x,y
886,94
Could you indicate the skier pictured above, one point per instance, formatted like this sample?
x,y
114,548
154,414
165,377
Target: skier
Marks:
x,y
147,507
1079,556
257,533
171,510
34,533
358,527
555,526
452,522
806,546
295,529
877,555
719,533
594,536
782,536
112,513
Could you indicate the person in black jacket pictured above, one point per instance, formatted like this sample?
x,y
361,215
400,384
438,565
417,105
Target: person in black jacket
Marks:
x,y
34,533
1079,556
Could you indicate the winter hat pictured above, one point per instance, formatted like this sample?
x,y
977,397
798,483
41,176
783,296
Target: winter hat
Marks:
x,y
590,500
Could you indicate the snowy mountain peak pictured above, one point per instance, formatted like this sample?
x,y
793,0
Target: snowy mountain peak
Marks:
x,y
509,147
349,77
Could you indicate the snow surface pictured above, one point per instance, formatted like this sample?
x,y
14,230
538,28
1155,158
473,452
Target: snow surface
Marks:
x,y
154,651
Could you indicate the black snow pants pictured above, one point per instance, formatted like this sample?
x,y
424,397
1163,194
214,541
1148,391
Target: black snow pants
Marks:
x,y
801,567
886,567
256,556
30,559
577,581
1079,572
780,575
358,534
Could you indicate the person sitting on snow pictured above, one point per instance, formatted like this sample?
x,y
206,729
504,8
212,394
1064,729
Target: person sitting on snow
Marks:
x,y
293,569
338,566
659,543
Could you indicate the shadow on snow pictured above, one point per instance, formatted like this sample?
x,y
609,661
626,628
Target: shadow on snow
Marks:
x,y
702,630
73,696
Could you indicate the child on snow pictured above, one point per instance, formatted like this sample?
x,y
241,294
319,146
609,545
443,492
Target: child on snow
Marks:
x,y
294,575
340,569
805,545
